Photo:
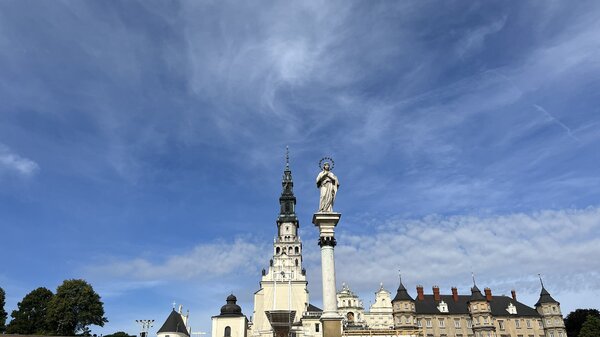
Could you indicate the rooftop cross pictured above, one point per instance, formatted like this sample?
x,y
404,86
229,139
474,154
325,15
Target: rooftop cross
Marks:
x,y
287,157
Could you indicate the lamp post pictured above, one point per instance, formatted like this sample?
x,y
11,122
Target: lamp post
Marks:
x,y
146,324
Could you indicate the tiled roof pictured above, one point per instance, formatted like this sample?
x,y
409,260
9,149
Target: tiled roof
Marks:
x,y
174,323
498,304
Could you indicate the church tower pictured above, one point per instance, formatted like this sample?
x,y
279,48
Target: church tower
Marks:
x,y
283,295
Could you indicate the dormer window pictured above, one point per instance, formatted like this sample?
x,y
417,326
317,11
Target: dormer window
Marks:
x,y
511,309
443,307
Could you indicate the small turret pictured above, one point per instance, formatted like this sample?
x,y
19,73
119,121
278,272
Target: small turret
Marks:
x,y
481,312
404,309
549,309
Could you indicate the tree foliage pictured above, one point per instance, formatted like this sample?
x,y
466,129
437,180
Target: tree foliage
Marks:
x,y
591,327
74,307
3,313
575,320
120,334
30,317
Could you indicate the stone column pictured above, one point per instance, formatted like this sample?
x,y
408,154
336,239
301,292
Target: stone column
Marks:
x,y
331,320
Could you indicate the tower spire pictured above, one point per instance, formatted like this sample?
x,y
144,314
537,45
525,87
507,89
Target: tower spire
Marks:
x,y
287,200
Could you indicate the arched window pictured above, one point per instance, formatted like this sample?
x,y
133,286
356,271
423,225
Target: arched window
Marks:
x,y
227,331
297,250
296,262
277,250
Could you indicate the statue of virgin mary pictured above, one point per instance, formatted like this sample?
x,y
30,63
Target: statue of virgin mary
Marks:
x,y
328,184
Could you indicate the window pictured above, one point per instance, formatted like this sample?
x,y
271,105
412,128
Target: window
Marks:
x,y
528,323
518,323
485,320
551,333
316,327
469,323
501,324
419,324
548,322
406,306
556,321
560,334
554,309
457,323
441,322
443,307
428,322
540,324
227,332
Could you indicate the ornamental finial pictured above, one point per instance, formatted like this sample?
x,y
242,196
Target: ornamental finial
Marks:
x,y
541,281
287,157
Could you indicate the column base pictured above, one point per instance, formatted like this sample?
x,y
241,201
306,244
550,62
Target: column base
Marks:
x,y
332,326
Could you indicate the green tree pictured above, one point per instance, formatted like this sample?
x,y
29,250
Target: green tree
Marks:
x,y
591,327
74,307
120,334
30,317
575,320
3,313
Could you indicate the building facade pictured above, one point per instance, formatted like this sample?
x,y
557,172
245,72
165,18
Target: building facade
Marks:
x,y
474,315
282,307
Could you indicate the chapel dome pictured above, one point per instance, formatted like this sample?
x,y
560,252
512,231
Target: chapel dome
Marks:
x,y
231,308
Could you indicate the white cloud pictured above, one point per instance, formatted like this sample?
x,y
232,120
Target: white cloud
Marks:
x,y
204,262
12,162
505,251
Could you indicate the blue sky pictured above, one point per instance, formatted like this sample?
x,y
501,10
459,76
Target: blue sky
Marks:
x,y
142,146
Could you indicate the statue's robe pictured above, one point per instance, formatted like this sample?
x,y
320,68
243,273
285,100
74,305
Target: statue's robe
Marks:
x,y
328,184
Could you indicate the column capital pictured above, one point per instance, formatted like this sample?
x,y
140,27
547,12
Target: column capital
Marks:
x,y
327,241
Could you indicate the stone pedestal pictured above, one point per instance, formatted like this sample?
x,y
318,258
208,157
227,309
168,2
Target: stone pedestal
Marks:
x,y
332,327
332,322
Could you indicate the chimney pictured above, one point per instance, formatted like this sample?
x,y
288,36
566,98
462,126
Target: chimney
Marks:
x,y
514,294
488,294
420,294
436,293
455,294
